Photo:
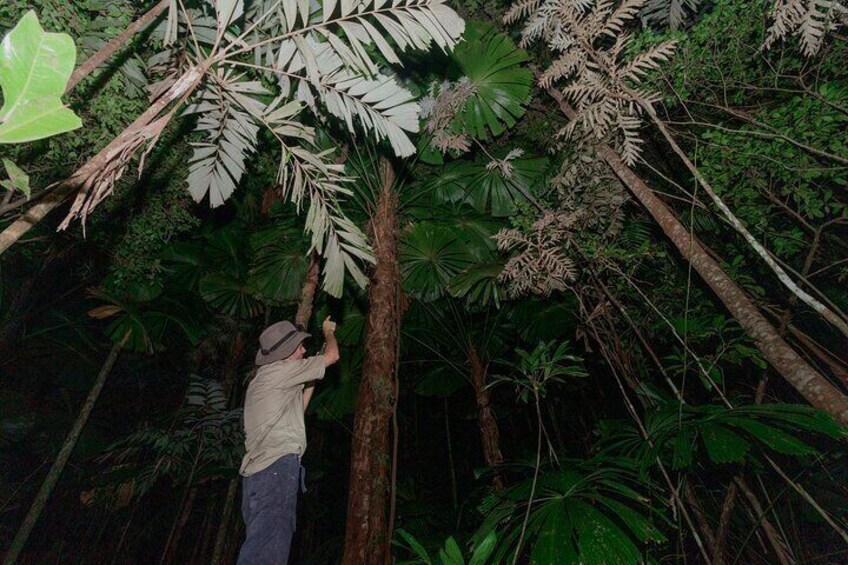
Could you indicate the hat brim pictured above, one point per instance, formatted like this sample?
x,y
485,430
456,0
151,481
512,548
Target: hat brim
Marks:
x,y
284,351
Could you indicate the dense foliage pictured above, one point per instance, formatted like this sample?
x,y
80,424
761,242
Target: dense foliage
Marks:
x,y
567,384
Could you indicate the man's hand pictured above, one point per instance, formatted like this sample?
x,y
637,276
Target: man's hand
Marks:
x,y
331,349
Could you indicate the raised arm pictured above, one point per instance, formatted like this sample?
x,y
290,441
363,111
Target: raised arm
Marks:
x,y
331,348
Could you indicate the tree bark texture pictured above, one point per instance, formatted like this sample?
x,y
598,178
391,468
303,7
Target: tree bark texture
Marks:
x,y
64,454
366,540
489,434
811,384
307,294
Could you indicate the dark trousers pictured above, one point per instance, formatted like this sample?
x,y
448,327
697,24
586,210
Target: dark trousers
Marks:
x,y
269,507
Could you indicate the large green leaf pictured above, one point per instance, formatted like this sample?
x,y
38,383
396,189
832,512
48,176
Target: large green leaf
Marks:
x,y
478,284
592,511
774,438
554,545
18,179
34,69
497,193
230,295
601,541
723,444
493,65
280,261
430,256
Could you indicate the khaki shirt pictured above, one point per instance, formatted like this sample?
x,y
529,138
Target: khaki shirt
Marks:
x,y
273,412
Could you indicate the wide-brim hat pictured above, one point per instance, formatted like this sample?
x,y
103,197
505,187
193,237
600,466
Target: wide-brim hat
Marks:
x,y
278,341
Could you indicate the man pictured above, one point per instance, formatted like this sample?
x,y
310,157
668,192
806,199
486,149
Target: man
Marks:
x,y
275,438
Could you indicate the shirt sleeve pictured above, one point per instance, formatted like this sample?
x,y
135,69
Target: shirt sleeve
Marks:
x,y
304,370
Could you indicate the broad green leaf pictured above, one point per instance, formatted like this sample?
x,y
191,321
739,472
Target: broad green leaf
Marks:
x,y
451,554
500,194
682,449
18,179
430,256
600,540
34,69
493,64
723,444
483,550
415,545
479,284
279,264
773,438
554,544
638,524
229,295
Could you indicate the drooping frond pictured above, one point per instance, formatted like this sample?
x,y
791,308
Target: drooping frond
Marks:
x,y
231,134
309,180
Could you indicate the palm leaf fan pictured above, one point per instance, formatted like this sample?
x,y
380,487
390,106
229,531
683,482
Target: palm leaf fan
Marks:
x,y
229,295
280,261
430,256
493,65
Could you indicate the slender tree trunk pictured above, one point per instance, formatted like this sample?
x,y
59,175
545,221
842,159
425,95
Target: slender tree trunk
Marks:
x,y
181,88
119,41
718,547
307,293
179,527
366,540
800,374
223,529
64,454
489,434
758,517
451,465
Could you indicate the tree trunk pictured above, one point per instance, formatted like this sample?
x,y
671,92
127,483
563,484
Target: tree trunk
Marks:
x,y
307,294
179,527
718,548
800,374
366,540
64,454
223,528
489,434
451,465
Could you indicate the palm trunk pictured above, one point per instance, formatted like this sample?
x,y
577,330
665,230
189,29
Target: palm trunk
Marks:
x,y
800,374
489,434
64,454
366,540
